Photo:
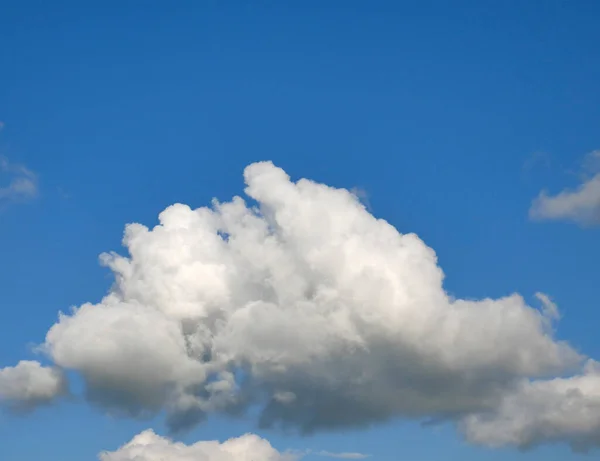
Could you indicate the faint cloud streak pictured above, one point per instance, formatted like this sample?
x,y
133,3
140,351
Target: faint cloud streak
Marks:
x,y
580,205
329,454
17,183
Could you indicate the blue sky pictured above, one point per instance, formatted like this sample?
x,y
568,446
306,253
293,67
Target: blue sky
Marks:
x,y
450,117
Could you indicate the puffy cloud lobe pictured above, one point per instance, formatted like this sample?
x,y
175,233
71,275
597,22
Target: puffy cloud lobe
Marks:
x,y
561,409
306,305
127,353
29,384
148,446
581,205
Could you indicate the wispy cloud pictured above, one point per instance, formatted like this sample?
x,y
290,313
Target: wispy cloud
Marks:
x,y
536,159
349,455
17,183
580,205
148,446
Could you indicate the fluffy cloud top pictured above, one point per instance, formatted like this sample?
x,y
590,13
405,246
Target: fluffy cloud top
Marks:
x,y
29,384
581,205
148,446
16,182
306,306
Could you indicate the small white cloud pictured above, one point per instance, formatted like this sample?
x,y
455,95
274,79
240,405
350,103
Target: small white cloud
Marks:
x,y
29,384
580,205
17,183
148,446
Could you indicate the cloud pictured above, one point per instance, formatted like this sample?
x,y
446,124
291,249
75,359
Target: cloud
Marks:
x,y
17,183
148,446
306,306
329,454
29,384
580,205
536,159
558,410
549,308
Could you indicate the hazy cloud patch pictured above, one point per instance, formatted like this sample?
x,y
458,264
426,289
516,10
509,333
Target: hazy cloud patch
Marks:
x,y
348,455
17,183
580,204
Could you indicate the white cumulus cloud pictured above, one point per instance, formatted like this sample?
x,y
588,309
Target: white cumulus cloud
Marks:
x,y
581,205
29,384
305,305
149,446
